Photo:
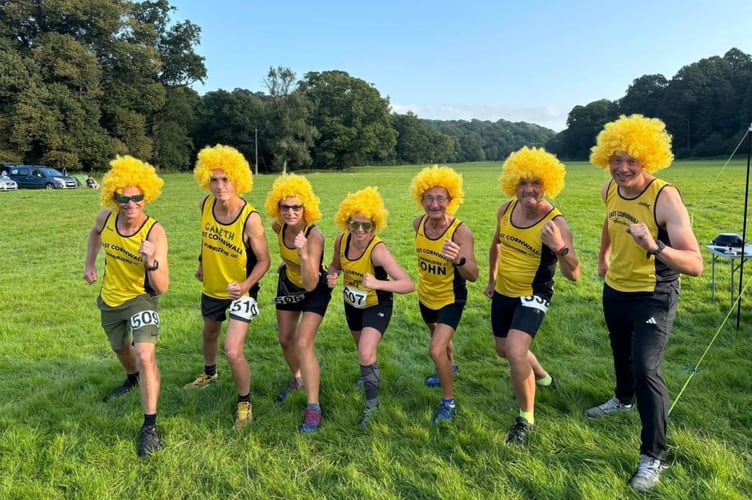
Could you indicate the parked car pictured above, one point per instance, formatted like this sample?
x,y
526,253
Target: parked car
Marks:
x,y
7,184
41,177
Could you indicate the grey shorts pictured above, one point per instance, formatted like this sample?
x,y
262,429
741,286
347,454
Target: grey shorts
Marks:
x,y
139,316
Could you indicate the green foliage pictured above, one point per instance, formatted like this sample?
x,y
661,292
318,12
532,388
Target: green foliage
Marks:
x,y
57,440
351,118
706,107
82,81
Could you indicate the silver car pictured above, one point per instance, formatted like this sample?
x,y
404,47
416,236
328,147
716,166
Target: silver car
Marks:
x,y
7,184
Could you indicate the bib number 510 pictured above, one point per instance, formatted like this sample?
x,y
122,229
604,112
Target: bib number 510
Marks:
x,y
244,308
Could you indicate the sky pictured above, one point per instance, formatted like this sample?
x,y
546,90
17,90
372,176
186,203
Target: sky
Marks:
x,y
524,60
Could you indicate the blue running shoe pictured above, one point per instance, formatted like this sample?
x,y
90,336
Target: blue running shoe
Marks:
x,y
433,380
445,413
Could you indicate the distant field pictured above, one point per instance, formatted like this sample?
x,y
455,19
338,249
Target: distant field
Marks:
x,y
57,440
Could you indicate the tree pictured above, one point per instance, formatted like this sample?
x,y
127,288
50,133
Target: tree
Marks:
x,y
644,95
352,119
292,135
173,145
232,118
583,125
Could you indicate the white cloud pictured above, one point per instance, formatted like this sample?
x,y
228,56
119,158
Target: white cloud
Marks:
x,y
552,117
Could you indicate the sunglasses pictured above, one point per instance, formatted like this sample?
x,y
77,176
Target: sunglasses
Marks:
x,y
439,199
294,208
121,198
354,225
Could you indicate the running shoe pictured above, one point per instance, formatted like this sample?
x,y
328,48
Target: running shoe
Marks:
x,y
368,415
609,408
120,391
293,386
445,413
433,380
201,381
149,441
311,421
648,473
244,415
518,434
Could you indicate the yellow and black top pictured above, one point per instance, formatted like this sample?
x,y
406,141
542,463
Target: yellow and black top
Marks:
x,y
352,275
291,258
124,272
526,266
224,254
439,283
631,269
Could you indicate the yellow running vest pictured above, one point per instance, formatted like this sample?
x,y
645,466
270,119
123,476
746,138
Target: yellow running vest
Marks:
x,y
352,275
631,269
439,282
124,272
526,266
224,254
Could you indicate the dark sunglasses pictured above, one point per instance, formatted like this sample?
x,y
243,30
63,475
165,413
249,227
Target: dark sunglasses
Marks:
x,y
354,225
294,208
121,198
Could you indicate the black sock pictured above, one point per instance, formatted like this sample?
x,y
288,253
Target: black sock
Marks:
x,y
150,420
133,379
244,399
210,370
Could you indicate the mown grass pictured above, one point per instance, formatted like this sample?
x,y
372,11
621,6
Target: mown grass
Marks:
x,y
57,440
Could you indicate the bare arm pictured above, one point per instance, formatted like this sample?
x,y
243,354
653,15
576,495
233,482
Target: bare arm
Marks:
x,y
557,235
400,282
684,253
310,250
493,253
94,245
604,253
200,270
336,266
255,236
154,250
462,246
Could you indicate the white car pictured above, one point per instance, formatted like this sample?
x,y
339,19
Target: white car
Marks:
x,y
8,184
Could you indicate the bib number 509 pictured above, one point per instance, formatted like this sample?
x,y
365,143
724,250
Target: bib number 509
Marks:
x,y
245,308
144,318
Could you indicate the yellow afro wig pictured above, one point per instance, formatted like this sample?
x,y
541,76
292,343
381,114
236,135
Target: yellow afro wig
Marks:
x,y
643,138
366,202
436,176
528,164
128,171
227,159
289,186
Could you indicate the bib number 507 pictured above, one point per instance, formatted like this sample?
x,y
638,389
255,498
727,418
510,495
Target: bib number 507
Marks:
x,y
245,308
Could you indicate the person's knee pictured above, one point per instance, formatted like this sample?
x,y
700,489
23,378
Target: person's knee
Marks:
x,y
145,357
501,350
211,334
234,354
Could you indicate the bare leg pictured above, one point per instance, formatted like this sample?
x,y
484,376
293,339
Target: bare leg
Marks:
x,y
441,339
149,379
234,350
287,322
306,351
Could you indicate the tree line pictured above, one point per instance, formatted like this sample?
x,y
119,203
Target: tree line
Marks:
x,y
83,81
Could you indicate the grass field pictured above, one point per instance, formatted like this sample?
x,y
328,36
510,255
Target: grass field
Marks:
x,y
58,440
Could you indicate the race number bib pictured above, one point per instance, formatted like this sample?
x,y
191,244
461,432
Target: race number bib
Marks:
x,y
144,318
244,308
354,297
289,299
535,302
